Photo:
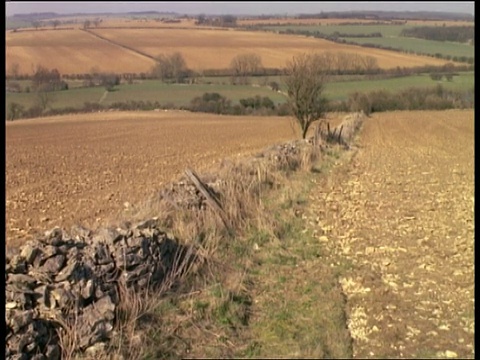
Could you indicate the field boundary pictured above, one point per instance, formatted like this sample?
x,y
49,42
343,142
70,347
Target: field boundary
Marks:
x,y
118,44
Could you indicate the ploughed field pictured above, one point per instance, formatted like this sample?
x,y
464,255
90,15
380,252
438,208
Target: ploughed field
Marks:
x,y
83,168
402,214
130,49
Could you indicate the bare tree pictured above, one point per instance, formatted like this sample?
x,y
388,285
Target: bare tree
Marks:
x,y
201,19
86,24
97,22
305,83
14,70
36,24
243,66
15,111
370,64
46,79
171,68
44,97
55,23
109,81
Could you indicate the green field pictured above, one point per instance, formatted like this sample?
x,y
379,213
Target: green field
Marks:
x,y
341,90
13,23
149,90
390,37
181,95
420,45
385,30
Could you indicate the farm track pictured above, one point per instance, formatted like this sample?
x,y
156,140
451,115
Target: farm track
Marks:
x,y
138,52
400,215
82,168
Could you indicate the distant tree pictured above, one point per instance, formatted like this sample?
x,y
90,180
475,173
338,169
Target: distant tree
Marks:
x,y
243,66
97,22
228,20
109,81
44,97
449,67
55,23
274,86
15,111
14,70
305,83
370,63
86,24
47,79
36,24
449,76
201,19
171,68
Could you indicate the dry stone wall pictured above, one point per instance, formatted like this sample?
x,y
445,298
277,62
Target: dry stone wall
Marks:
x,y
75,277
65,278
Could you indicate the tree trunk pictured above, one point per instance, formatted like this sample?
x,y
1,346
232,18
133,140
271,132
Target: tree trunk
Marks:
x,y
304,132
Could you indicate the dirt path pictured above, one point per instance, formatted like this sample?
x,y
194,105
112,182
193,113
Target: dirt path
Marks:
x,y
400,213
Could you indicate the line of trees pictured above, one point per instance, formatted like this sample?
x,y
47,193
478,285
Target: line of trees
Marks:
x,y
358,66
171,68
340,40
337,34
243,66
224,20
460,34
433,98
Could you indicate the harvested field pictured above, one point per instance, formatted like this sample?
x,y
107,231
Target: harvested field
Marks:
x,y
401,214
83,168
71,52
440,23
76,51
200,48
125,22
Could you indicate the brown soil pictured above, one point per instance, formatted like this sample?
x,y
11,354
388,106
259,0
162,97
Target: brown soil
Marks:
x,y
399,217
83,168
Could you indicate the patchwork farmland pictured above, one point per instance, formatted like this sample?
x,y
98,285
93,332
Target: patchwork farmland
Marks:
x,y
357,242
76,51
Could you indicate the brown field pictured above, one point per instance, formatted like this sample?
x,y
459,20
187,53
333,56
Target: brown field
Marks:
x,y
71,52
83,168
402,213
207,49
123,22
74,51
440,23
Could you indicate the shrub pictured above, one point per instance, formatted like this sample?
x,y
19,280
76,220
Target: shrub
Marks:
x,y
283,110
359,102
92,106
33,111
211,103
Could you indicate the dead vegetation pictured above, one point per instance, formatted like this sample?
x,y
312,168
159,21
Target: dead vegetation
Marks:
x,y
206,308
